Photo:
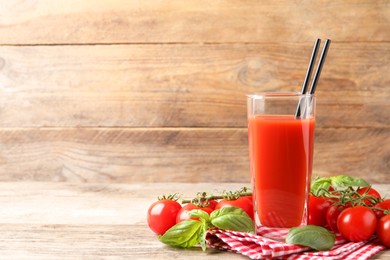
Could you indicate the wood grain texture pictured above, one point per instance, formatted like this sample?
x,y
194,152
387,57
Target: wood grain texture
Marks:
x,y
95,221
124,91
185,85
151,21
174,154
61,203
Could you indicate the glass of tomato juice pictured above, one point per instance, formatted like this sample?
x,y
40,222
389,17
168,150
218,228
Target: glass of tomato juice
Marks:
x,y
281,142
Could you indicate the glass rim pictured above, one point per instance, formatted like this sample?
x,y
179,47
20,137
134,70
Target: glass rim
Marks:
x,y
262,95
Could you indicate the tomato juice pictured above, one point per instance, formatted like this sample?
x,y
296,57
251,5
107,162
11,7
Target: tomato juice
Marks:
x,y
281,152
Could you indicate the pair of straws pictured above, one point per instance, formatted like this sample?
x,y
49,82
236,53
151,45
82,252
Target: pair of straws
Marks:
x,y
310,69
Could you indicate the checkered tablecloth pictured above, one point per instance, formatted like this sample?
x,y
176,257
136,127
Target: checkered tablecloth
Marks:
x,y
263,247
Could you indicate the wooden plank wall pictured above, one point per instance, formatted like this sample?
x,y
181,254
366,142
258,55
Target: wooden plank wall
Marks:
x,y
127,91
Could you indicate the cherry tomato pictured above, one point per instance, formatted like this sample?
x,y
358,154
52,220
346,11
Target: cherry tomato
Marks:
x,y
318,206
161,215
249,197
331,216
212,204
370,192
245,203
183,213
383,230
357,223
382,205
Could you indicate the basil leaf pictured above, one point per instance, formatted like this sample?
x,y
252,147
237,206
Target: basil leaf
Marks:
x,y
319,185
184,234
202,235
315,237
198,213
345,181
204,219
232,218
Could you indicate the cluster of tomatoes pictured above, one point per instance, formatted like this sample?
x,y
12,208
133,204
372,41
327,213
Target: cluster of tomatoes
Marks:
x,y
357,214
166,212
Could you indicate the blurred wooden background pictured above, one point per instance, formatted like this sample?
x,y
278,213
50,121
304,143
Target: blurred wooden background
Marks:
x,y
127,91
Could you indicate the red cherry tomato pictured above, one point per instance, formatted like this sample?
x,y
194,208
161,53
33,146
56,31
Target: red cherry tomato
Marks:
x,y
331,216
318,206
249,197
385,205
357,223
245,203
383,230
212,204
161,215
370,192
183,213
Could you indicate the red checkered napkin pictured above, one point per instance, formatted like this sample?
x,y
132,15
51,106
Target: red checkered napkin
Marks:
x,y
262,247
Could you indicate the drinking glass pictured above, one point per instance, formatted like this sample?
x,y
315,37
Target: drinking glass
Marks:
x,y
281,141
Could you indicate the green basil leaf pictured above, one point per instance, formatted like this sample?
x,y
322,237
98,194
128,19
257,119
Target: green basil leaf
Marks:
x,y
184,234
202,235
315,237
204,219
346,181
319,185
232,218
198,213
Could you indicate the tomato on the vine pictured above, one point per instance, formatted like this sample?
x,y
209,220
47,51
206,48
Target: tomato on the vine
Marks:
x,y
183,213
380,207
331,216
383,230
357,223
249,197
245,203
370,192
161,215
318,206
212,204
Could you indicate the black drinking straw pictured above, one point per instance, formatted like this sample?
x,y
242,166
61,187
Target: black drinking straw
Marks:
x,y
319,67
316,75
308,74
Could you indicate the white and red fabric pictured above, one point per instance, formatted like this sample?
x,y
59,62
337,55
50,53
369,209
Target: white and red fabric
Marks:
x,y
263,247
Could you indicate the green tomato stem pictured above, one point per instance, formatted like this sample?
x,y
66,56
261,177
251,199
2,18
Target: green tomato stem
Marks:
x,y
215,197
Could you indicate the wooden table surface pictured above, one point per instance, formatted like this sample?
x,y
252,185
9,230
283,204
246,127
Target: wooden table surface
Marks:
x,y
40,220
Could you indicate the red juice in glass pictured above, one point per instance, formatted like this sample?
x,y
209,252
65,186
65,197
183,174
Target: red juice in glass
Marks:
x,y
281,155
